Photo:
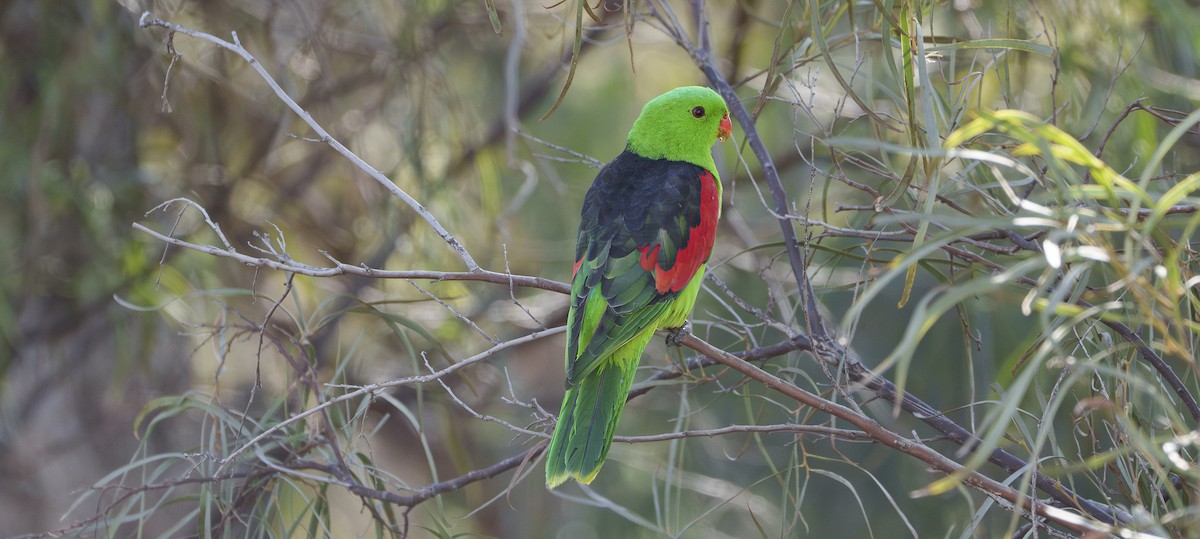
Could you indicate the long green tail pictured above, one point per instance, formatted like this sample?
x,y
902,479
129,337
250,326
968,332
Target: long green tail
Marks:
x,y
589,415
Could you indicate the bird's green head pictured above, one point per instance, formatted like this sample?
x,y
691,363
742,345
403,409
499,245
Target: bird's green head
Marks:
x,y
681,125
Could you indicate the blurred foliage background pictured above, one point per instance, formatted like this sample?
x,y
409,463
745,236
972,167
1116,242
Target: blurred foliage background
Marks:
x,y
129,370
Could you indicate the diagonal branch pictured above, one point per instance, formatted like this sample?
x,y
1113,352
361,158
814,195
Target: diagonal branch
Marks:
x,y
929,415
703,60
236,47
994,489
824,343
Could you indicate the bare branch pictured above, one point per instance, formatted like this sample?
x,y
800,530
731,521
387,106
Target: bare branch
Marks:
x,y
371,389
207,220
702,59
816,430
456,314
340,268
998,491
236,47
429,491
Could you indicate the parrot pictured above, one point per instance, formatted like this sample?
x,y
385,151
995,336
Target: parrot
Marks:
x,y
646,231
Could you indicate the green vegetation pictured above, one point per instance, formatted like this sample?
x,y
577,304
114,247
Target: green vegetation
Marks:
x,y
994,207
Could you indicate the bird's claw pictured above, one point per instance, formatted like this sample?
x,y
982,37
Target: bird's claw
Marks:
x,y
675,336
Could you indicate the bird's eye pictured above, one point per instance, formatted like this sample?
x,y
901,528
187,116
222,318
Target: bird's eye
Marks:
x,y
698,112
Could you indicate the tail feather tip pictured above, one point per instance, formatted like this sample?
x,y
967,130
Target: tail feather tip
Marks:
x,y
555,479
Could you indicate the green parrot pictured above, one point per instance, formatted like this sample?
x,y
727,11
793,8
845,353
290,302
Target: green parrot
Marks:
x,y
645,233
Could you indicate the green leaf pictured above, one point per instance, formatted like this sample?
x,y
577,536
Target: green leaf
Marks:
x,y
1009,44
493,16
574,59
1173,196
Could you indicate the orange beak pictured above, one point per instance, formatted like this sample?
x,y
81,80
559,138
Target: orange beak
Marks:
x,y
725,128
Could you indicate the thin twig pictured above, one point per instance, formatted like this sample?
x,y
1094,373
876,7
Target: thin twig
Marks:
x,y
456,314
428,491
818,430
370,389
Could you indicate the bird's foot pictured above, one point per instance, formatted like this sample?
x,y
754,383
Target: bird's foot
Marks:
x,y
675,336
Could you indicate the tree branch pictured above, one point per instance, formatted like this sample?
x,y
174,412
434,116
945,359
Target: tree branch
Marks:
x,y
236,47
340,268
998,491
427,492
702,59
370,389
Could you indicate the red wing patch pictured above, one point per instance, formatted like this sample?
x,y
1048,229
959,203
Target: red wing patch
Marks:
x,y
576,268
649,258
699,243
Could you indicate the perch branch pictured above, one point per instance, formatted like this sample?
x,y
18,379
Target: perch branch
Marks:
x,y
1000,492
